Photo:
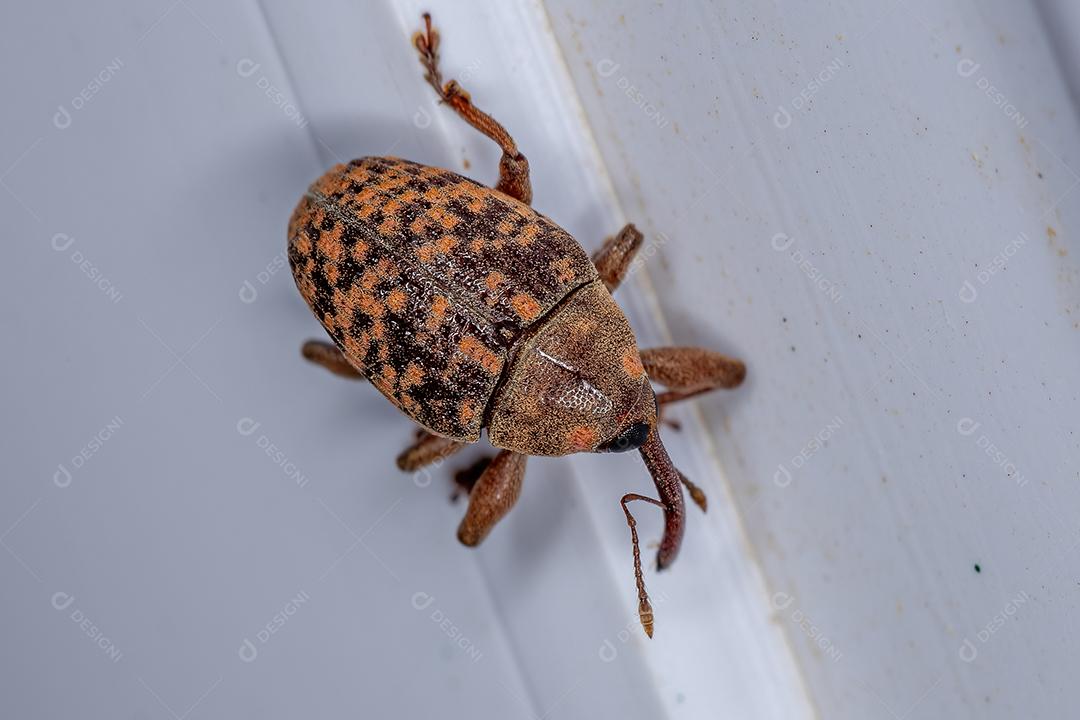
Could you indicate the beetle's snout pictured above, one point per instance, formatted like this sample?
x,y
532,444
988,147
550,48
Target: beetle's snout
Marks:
x,y
631,438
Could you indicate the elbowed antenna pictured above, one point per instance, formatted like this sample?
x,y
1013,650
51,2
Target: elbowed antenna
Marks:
x,y
669,482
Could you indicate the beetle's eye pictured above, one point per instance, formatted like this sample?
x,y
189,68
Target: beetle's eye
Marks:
x,y
631,438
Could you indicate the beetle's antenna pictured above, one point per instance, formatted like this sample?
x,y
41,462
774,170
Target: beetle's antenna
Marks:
x,y
669,482
645,611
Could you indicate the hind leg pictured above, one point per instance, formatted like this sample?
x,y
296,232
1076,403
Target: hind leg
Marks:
x,y
513,167
328,355
427,449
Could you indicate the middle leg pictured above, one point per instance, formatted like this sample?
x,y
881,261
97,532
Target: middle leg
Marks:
x,y
495,492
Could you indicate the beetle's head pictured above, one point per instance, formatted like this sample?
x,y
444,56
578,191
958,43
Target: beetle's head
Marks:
x,y
576,385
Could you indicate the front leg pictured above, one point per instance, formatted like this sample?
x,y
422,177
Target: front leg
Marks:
x,y
614,258
494,493
513,167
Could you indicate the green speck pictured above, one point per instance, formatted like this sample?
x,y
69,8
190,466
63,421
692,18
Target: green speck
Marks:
x,y
977,568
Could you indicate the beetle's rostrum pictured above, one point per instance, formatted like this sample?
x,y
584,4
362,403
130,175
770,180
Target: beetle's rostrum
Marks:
x,y
470,311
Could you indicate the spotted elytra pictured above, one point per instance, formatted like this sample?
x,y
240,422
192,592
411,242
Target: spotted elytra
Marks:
x,y
469,310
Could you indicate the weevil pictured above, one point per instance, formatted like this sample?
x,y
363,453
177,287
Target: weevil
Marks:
x,y
471,311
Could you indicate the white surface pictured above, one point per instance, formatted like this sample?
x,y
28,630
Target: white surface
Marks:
x,y
899,180
179,537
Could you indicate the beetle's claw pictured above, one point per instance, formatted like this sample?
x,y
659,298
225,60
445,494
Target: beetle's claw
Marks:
x,y
696,493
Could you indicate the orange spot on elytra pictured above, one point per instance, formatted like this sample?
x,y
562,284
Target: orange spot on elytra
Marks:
x,y
581,437
563,267
409,404
494,280
396,300
413,375
445,219
426,253
302,243
388,226
631,363
477,351
378,330
439,306
466,412
505,227
369,280
359,251
446,243
527,234
329,242
525,306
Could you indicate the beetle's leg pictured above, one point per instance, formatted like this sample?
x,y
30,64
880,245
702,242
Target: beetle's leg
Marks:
x,y
645,611
466,478
690,371
495,492
427,449
616,255
328,355
513,167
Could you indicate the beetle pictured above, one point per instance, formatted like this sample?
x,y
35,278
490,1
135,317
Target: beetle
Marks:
x,y
471,311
